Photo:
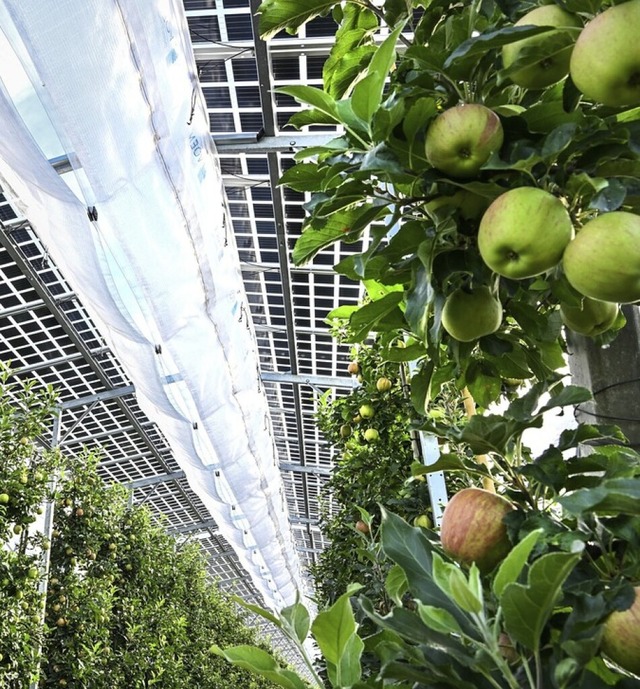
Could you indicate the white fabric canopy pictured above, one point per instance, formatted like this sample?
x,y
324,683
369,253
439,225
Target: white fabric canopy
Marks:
x,y
158,270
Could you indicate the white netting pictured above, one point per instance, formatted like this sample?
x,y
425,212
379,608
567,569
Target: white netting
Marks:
x,y
158,268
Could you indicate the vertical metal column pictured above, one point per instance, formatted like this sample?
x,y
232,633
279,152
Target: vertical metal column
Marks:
x,y
48,532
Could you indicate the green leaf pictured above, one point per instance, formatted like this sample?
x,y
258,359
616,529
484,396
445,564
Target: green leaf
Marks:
x,y
527,609
315,97
446,462
492,433
367,318
298,620
262,663
396,584
451,579
333,629
512,566
438,620
289,15
322,232
419,301
612,496
610,198
479,45
367,94
568,396
408,547
257,610
302,177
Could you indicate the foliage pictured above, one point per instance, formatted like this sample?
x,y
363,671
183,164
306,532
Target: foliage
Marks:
x,y
373,180
369,473
126,605
537,619
25,471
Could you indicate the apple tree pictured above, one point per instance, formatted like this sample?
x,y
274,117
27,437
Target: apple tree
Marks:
x,y
126,605
369,471
25,470
486,153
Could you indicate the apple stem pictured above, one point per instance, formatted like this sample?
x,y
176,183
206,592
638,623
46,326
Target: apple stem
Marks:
x,y
470,409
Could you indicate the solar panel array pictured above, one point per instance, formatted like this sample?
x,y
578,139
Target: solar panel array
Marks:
x,y
48,335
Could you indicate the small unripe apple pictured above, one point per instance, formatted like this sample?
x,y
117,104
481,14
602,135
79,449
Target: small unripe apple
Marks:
x,y
33,573
353,368
17,529
621,638
362,527
4,498
371,435
383,384
367,411
79,512
423,521
61,622
473,528
345,430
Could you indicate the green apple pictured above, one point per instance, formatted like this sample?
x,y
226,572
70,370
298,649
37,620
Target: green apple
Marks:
x,y
473,529
603,261
552,67
621,637
4,498
383,384
605,63
461,140
470,314
423,521
345,430
353,368
366,411
371,435
524,232
591,317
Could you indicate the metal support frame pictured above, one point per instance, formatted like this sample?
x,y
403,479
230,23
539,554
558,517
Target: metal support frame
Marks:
x,y
204,525
153,480
263,63
312,381
49,512
278,143
307,469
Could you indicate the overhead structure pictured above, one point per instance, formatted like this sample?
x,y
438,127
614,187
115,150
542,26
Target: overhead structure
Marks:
x,y
52,327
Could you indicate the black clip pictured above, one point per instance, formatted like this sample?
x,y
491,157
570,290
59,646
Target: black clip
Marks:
x,y
92,213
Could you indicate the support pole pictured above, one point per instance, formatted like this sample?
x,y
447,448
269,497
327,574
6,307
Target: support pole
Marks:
x,y
49,509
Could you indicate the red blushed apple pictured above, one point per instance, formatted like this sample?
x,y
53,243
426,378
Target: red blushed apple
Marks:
x,y
621,638
362,527
473,529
